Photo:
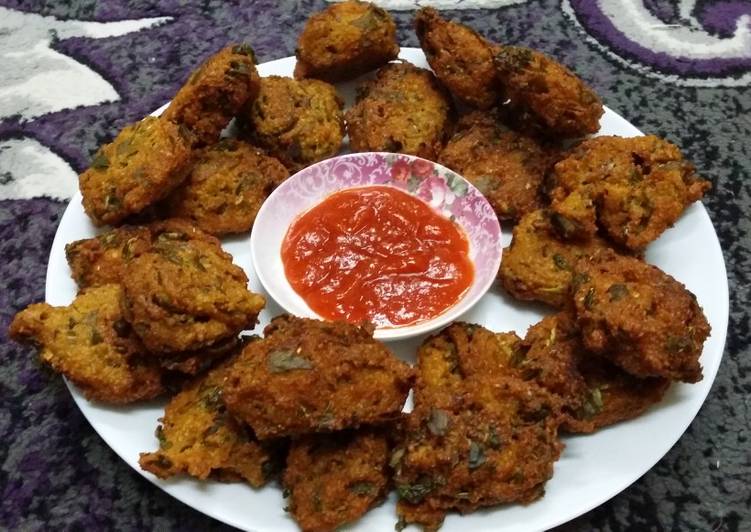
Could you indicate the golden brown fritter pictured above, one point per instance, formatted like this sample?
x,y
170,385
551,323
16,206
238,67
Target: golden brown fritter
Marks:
x,y
537,266
314,376
226,187
197,437
561,102
334,479
639,317
507,167
633,188
299,122
594,393
215,92
404,109
103,259
90,344
460,58
479,435
187,294
344,41
144,163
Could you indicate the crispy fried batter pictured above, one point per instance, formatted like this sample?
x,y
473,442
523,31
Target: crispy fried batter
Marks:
x,y
460,58
299,122
198,437
634,188
215,92
594,393
537,266
561,102
479,435
103,259
226,187
404,109
143,164
507,167
90,344
187,294
344,41
314,376
335,479
639,317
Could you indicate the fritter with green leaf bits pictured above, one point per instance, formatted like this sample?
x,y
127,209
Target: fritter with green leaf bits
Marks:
x,y
639,317
91,344
345,40
215,92
142,165
315,376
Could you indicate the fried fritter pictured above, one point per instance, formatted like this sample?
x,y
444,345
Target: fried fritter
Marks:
x,y
633,188
334,479
142,165
215,92
90,344
561,102
537,266
479,435
594,393
192,363
404,109
103,259
197,437
226,187
187,294
639,317
507,167
314,376
299,122
345,40
460,58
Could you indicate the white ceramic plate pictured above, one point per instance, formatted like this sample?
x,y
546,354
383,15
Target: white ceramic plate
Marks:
x,y
591,470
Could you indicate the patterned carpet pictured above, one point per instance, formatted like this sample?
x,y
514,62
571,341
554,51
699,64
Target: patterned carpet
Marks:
x,y
74,72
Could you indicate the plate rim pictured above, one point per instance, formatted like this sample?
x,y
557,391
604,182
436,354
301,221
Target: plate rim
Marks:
x,y
710,372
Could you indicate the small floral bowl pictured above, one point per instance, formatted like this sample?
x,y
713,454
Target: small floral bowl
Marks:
x,y
445,191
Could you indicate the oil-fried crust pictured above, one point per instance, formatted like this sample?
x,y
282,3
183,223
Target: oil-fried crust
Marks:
x,y
90,344
553,95
314,376
334,479
404,110
633,188
538,266
594,393
479,435
639,317
460,58
142,165
226,187
506,166
299,122
103,259
215,92
187,294
198,437
345,40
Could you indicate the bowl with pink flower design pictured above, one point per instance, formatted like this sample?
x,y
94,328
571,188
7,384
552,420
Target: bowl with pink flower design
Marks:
x,y
443,191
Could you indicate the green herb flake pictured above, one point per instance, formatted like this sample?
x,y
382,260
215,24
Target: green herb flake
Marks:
x,y
561,263
100,161
244,49
284,360
238,69
580,279
565,227
592,404
679,344
96,337
211,397
416,492
396,457
164,444
617,291
493,440
362,488
438,422
590,299
476,455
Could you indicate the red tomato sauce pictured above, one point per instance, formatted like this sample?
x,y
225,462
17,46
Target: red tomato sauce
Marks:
x,y
376,253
